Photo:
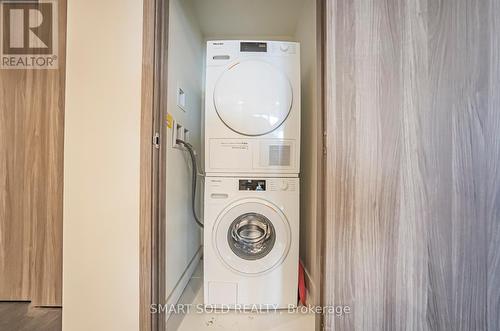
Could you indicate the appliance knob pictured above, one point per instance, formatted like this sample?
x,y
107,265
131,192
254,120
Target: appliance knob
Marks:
x,y
284,48
284,185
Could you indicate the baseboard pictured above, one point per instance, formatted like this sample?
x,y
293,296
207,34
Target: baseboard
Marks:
x,y
176,294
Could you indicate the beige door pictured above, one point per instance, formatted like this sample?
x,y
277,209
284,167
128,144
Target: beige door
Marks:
x,y
413,164
31,178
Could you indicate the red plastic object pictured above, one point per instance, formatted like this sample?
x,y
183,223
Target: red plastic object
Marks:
x,y
302,285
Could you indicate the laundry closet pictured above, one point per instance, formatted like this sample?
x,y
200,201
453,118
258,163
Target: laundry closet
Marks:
x,y
243,102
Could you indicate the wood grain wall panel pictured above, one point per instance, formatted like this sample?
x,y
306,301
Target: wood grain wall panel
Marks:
x,y
437,156
411,254
492,174
31,180
470,32
15,229
413,164
339,95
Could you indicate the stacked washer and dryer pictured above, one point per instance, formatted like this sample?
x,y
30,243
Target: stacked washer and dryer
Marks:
x,y
252,156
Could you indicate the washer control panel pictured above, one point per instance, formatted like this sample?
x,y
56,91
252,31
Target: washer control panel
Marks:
x,y
220,187
252,185
282,184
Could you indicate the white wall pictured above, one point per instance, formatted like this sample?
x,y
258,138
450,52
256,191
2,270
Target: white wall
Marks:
x,y
185,69
248,19
101,166
306,35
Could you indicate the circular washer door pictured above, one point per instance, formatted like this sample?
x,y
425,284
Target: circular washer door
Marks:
x,y
253,98
252,236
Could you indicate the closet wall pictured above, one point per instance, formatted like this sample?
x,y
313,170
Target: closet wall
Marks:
x,y
185,71
310,148
251,20
413,164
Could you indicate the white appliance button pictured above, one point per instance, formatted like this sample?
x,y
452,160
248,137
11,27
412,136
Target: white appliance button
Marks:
x,y
284,48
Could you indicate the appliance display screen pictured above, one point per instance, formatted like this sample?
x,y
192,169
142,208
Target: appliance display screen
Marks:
x,y
252,185
253,47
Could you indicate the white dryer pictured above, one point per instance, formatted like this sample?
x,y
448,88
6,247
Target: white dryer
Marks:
x,y
251,236
252,107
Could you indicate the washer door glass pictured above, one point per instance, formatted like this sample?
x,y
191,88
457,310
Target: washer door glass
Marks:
x,y
253,98
251,236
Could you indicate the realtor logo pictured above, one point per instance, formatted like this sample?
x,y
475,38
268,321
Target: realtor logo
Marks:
x,y
28,34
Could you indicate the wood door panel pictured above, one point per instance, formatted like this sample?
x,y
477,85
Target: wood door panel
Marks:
x,y
15,232
31,180
412,197
492,169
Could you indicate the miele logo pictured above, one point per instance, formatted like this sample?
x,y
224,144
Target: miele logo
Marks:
x,y
218,44
28,34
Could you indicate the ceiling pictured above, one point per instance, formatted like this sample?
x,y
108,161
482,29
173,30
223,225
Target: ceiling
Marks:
x,y
247,18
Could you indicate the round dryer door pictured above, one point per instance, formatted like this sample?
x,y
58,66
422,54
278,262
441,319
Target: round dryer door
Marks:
x,y
253,98
252,236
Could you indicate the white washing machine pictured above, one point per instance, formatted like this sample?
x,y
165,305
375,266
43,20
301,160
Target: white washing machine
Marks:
x,y
252,107
251,235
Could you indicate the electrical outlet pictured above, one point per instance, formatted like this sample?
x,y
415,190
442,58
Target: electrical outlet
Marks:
x,y
179,132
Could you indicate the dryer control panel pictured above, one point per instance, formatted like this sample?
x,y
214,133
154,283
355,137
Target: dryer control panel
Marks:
x,y
221,52
253,46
